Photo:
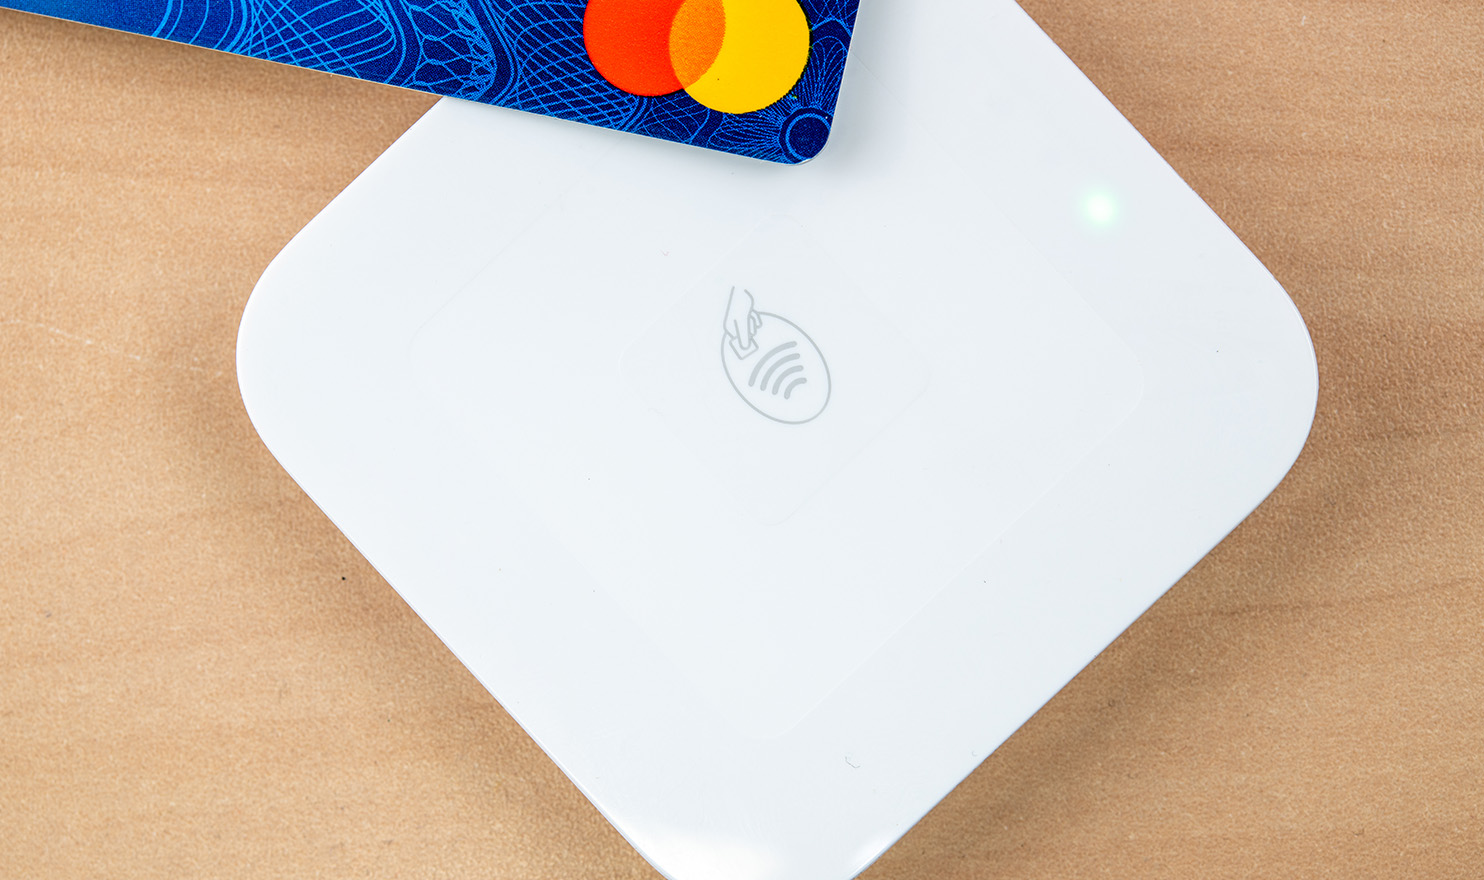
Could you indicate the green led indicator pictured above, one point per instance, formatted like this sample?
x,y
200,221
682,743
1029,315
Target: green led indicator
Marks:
x,y
1100,209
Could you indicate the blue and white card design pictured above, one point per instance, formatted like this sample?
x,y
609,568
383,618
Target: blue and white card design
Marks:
x,y
753,77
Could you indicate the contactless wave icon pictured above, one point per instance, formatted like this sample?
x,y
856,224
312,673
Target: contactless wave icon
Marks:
x,y
733,56
772,363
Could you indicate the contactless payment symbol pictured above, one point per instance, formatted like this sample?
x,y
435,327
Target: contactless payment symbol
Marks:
x,y
772,363
733,56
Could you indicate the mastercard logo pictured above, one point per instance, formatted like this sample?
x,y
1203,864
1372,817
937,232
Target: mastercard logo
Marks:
x,y
734,56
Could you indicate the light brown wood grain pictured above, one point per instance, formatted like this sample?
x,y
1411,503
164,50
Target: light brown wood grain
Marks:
x,y
199,677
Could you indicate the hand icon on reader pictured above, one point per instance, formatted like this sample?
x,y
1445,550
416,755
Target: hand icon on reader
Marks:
x,y
742,322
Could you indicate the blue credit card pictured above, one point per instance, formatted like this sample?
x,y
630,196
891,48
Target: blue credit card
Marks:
x,y
753,77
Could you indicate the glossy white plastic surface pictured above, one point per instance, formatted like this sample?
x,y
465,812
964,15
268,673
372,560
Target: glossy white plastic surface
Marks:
x,y
1037,380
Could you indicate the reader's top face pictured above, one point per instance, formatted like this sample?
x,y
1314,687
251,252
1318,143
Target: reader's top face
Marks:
x,y
770,500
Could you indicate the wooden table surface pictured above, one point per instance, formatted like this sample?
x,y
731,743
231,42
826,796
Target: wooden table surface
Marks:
x,y
199,677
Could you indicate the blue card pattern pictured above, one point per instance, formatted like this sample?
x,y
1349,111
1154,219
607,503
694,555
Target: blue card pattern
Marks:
x,y
525,54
